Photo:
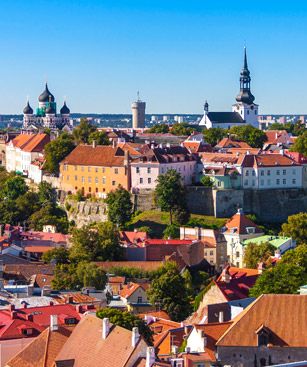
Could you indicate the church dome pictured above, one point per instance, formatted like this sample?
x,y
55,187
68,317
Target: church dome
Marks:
x,y
245,96
64,110
50,110
28,109
46,96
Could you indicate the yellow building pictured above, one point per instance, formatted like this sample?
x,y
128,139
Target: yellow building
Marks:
x,y
95,170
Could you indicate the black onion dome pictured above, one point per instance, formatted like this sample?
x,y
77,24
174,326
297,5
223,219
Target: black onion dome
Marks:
x,y
50,110
28,109
46,96
64,110
245,96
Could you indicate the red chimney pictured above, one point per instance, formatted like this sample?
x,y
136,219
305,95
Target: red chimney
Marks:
x,y
12,307
25,305
30,317
51,303
79,308
14,315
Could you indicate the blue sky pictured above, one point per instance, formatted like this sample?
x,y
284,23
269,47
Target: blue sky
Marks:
x,y
177,53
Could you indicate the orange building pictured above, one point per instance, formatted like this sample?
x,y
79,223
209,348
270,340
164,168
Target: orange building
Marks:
x,y
95,170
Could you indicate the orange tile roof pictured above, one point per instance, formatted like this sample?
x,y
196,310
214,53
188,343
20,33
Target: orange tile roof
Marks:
x,y
284,315
87,347
87,155
240,222
213,332
228,142
129,289
42,351
274,136
144,265
155,314
267,160
31,142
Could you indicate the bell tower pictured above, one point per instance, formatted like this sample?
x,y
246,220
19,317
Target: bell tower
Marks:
x,y
245,105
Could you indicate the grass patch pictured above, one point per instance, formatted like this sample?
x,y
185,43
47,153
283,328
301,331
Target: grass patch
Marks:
x,y
158,221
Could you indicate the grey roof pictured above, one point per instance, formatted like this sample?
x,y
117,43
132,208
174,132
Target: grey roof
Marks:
x,y
225,117
65,110
46,96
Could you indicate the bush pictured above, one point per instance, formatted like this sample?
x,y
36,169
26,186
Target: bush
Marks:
x,y
171,231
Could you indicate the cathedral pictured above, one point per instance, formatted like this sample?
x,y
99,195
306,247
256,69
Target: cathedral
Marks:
x,y
46,113
244,111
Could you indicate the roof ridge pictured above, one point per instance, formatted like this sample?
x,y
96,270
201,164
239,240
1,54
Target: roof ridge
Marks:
x,y
240,316
47,344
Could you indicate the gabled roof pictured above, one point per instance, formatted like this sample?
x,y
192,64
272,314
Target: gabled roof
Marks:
x,y
267,160
31,142
284,315
128,289
87,155
239,223
42,351
230,143
87,347
132,236
225,117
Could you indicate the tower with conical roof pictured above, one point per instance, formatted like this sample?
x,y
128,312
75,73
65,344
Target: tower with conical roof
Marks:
x,y
245,105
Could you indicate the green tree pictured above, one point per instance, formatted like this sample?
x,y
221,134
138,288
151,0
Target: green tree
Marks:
x,y
58,255
170,292
56,151
100,138
95,242
276,126
296,227
181,129
206,181
181,214
159,129
214,135
83,131
251,135
128,321
254,253
170,192
171,231
49,214
13,188
91,275
297,256
280,279
300,144
46,193
24,206
65,277
119,206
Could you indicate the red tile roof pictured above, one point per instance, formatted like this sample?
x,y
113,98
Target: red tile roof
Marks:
x,y
267,160
143,265
31,142
239,223
132,236
230,143
129,289
12,322
87,155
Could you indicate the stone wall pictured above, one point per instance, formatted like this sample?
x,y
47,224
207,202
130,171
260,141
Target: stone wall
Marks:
x,y
85,212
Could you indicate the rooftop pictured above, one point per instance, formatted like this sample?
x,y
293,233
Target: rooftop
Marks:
x,y
276,241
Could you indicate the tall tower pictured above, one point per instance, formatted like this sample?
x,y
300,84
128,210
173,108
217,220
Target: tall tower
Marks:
x,y
245,105
138,113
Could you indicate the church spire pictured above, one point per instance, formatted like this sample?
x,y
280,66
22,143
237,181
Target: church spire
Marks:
x,y
245,95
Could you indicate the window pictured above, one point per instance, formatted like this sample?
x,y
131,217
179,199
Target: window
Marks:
x,y
89,179
88,169
149,180
269,182
211,253
113,183
284,172
70,321
238,254
253,173
103,170
245,182
278,172
96,169
246,173
284,181
82,179
27,331
82,169
268,172
96,189
137,169
293,181
293,172
96,180
140,299
89,189
261,182
261,173
76,178
65,167
103,180
278,181
67,178
75,167
219,183
253,183
116,171
141,180
148,169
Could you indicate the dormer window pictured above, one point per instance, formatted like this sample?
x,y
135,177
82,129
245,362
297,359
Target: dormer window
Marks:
x,y
70,321
27,332
250,230
263,338
233,230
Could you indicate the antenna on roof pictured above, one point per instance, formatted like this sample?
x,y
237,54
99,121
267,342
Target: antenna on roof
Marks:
x,y
138,96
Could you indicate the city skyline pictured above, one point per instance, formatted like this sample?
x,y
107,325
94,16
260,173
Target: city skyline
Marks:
x,y
99,54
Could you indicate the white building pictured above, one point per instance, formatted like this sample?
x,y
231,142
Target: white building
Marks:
x,y
156,161
238,229
271,171
23,150
244,111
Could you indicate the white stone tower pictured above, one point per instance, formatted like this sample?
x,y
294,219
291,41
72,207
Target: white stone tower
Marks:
x,y
138,114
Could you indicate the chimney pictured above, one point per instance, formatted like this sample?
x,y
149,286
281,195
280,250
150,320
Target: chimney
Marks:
x,y
51,303
54,323
94,144
30,317
70,299
12,307
221,316
105,328
150,356
135,337
14,315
